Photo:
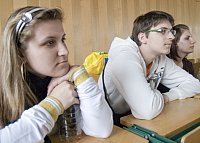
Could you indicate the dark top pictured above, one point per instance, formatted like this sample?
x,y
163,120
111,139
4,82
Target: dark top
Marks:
x,y
39,88
187,66
38,85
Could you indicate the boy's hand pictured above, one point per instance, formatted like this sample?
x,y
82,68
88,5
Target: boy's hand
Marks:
x,y
166,98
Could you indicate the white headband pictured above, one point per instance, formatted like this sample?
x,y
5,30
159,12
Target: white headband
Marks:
x,y
25,19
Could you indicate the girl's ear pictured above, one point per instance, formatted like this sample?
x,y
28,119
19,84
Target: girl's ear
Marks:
x,y
142,37
21,54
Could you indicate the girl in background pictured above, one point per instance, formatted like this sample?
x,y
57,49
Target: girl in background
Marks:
x,y
182,45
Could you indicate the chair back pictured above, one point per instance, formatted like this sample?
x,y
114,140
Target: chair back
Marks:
x,y
192,137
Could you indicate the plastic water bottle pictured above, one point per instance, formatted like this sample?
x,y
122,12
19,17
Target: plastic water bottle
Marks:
x,y
69,124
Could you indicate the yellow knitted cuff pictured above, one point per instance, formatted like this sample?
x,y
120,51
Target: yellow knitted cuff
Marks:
x,y
80,75
51,105
58,102
71,76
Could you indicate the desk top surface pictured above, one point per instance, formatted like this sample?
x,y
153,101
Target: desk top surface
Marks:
x,y
118,135
175,117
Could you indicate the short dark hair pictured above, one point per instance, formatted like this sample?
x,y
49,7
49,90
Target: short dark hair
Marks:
x,y
146,21
180,28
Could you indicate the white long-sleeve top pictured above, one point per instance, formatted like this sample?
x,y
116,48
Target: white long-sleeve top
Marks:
x,y
128,87
35,123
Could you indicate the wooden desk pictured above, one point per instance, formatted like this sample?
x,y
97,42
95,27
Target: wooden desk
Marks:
x,y
175,117
118,135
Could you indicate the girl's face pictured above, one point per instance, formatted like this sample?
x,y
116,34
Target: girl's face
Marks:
x,y
46,52
186,43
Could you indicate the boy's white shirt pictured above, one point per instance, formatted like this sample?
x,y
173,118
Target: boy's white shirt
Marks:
x,y
35,123
128,87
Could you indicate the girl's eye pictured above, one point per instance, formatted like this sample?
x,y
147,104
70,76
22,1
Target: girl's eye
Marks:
x,y
187,38
50,43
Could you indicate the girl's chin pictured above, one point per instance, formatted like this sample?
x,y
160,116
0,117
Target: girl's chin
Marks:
x,y
63,72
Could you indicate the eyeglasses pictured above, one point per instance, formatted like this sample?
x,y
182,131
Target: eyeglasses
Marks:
x,y
163,31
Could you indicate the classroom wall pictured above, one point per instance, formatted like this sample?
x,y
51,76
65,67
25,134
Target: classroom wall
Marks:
x,y
91,25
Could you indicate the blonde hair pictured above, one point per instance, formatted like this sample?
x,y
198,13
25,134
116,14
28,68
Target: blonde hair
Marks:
x,y
15,92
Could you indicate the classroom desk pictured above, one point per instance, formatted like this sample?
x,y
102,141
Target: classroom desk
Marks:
x,y
175,117
118,135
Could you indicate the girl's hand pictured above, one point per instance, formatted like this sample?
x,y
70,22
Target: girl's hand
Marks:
x,y
65,93
56,81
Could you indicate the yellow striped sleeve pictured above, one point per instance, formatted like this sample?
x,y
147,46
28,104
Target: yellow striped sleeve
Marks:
x,y
53,106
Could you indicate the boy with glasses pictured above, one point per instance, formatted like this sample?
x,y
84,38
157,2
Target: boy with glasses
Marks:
x,y
138,64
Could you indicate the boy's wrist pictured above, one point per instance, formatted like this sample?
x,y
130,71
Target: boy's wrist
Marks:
x,y
166,98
